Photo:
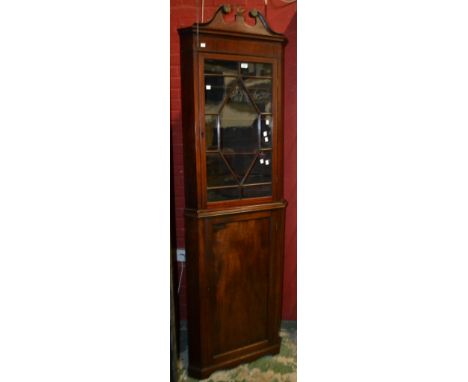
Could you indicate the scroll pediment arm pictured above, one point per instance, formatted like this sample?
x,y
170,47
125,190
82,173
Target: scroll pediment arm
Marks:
x,y
260,27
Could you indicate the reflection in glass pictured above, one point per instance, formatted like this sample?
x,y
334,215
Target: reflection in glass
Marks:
x,y
240,164
218,174
261,171
238,123
260,91
221,67
256,191
256,69
211,132
216,89
224,194
266,131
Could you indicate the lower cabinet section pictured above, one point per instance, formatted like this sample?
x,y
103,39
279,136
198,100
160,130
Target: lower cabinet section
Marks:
x,y
234,274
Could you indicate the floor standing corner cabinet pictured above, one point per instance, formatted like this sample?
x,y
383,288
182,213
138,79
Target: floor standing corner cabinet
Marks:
x,y
232,86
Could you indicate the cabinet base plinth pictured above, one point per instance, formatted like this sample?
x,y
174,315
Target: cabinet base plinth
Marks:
x,y
205,372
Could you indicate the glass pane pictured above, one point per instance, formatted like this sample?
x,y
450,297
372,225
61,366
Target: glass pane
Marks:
x,y
216,90
261,172
260,91
256,69
266,131
221,67
240,163
256,191
239,127
211,132
217,173
239,123
223,194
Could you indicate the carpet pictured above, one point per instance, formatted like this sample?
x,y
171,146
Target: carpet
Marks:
x,y
278,368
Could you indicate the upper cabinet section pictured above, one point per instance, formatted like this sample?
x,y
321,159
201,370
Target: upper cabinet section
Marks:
x,y
231,76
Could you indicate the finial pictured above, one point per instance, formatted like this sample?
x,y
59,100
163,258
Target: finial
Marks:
x,y
240,11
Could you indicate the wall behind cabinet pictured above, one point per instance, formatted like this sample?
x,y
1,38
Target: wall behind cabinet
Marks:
x,y
282,18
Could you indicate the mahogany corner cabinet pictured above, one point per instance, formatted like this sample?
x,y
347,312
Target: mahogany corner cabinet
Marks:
x,y
232,117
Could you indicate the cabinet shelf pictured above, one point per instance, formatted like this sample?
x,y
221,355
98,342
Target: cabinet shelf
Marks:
x,y
237,75
266,149
237,185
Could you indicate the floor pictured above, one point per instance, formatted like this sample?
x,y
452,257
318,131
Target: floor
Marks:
x,y
278,368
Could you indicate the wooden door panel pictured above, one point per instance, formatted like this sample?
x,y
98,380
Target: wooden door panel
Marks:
x,y
240,253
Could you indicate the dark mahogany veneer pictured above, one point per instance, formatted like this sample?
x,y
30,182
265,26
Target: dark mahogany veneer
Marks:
x,y
234,245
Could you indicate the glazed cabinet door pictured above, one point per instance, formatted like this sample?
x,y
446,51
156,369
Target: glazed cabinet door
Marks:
x,y
239,118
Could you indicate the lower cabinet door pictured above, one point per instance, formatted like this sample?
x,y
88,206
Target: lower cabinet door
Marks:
x,y
240,257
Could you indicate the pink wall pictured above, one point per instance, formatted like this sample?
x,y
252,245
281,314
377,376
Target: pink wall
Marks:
x,y
282,18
